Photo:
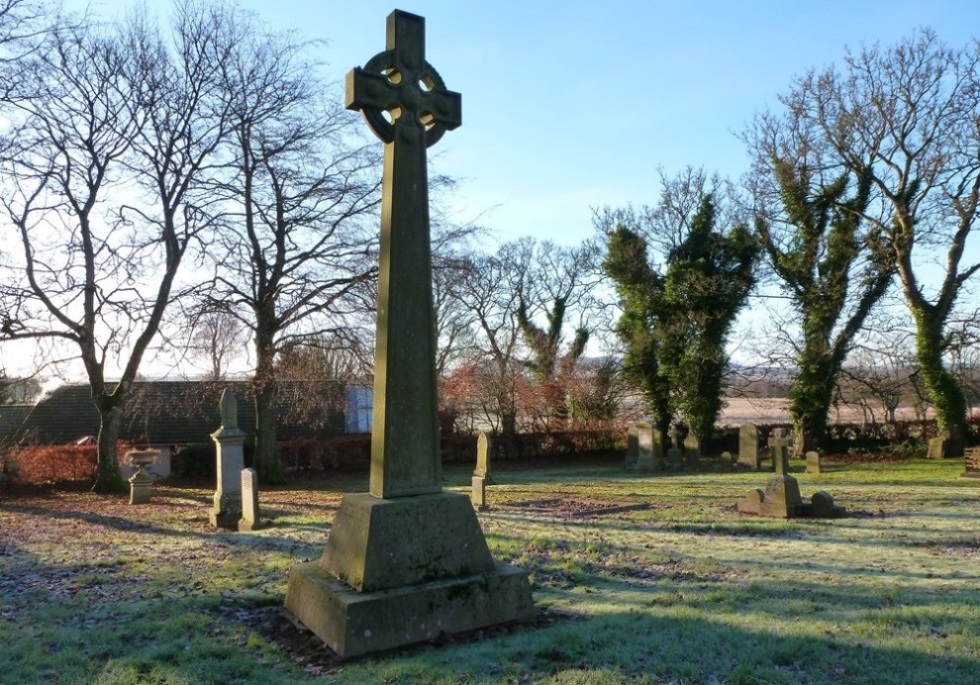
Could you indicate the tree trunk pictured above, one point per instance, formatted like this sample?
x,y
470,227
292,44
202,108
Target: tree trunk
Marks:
x,y
810,397
266,457
942,388
107,475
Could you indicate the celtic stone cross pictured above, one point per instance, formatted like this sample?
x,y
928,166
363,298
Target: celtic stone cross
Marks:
x,y
406,104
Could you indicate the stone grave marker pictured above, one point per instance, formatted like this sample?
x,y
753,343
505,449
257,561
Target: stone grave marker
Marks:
x,y
971,459
406,561
945,445
674,454
813,461
781,499
779,450
632,446
141,482
230,441
481,475
646,459
250,502
692,452
748,446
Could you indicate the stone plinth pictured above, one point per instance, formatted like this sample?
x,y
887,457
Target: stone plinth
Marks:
x,y
397,571
140,487
479,496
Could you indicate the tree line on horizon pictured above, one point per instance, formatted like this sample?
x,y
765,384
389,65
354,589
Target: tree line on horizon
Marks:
x,y
192,189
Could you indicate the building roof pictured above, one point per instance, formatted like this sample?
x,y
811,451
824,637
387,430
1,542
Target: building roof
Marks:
x,y
183,412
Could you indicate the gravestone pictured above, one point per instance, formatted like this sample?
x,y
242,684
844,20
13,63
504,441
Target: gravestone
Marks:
x,y
230,460
406,561
813,461
141,482
647,460
692,452
481,475
675,455
971,459
632,446
483,446
946,445
250,502
781,499
748,446
779,451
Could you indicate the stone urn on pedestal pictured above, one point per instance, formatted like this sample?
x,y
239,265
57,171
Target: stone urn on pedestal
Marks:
x,y
140,483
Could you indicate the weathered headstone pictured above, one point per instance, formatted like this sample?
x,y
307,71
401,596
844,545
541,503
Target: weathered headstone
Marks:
x,y
250,502
946,445
675,455
406,561
781,499
483,446
971,460
478,485
813,461
646,459
230,460
632,446
779,450
748,446
692,452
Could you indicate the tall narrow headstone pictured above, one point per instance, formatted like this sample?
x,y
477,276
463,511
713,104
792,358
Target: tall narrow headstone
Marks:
x,y
646,461
675,455
250,502
406,561
483,457
748,445
230,441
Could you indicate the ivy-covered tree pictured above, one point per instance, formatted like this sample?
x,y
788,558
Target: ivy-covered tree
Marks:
x,y
676,320
833,270
709,277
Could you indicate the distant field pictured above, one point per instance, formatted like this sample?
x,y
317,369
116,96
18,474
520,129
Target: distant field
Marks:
x,y
775,410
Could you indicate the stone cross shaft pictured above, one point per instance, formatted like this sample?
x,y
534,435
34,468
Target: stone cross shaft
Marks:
x,y
406,104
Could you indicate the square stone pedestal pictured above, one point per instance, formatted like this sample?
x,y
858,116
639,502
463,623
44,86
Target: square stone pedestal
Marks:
x,y
405,570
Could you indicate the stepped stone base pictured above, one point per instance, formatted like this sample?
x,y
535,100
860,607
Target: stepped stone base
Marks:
x,y
353,623
404,570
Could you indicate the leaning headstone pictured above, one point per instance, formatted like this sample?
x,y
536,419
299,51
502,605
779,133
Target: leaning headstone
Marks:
x,y
748,446
813,461
781,498
226,511
646,458
752,502
971,459
407,561
250,502
779,450
692,452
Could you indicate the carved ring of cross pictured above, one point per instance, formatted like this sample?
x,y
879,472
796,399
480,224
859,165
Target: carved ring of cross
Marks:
x,y
415,89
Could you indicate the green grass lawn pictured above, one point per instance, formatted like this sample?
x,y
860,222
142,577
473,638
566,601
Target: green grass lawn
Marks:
x,y
681,590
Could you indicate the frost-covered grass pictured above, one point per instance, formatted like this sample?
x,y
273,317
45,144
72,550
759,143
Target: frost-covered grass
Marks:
x,y
685,590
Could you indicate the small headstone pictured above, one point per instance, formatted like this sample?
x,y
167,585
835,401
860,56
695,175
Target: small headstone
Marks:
x,y
632,446
971,459
752,502
483,457
822,506
748,446
945,445
692,452
479,485
250,501
779,450
813,462
675,455
728,459
646,461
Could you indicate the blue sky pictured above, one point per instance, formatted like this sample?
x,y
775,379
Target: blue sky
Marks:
x,y
576,104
